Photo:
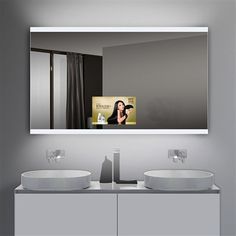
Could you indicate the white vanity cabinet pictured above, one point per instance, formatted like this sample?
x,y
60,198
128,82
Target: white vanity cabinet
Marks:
x,y
168,214
118,211
65,214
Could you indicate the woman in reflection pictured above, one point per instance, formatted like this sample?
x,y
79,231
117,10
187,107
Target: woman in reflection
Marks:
x,y
119,114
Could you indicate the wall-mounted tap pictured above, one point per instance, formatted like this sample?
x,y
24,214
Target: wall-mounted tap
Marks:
x,y
55,155
177,155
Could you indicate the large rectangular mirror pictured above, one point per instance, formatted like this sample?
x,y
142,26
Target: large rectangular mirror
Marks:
x,y
118,80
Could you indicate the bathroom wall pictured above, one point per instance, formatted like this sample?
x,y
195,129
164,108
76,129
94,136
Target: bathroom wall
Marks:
x,y
214,152
177,99
93,43
1,118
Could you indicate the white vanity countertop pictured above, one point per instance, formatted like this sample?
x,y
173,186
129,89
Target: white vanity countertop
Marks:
x,y
97,187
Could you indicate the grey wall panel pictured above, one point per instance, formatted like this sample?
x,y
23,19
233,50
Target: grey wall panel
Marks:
x,y
168,78
93,43
2,50
214,152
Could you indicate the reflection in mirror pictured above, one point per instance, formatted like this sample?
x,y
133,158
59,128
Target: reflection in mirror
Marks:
x,y
101,81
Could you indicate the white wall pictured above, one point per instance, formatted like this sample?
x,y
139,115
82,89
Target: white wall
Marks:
x,y
214,152
60,91
39,90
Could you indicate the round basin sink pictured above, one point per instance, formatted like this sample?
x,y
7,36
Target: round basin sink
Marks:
x,y
178,180
56,180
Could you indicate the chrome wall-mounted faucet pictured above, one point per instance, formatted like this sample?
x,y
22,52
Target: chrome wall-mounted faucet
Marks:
x,y
55,155
177,155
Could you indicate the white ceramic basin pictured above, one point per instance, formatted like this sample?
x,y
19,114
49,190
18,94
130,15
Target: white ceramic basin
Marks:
x,y
56,180
178,180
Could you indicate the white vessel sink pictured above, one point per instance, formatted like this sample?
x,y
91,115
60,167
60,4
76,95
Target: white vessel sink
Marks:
x,y
56,180
178,180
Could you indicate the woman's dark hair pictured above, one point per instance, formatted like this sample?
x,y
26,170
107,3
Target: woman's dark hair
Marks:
x,y
113,118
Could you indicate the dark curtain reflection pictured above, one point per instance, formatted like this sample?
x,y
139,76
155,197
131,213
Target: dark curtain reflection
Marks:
x,y
75,112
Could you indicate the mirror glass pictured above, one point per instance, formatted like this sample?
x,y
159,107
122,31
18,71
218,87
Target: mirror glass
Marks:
x,y
118,80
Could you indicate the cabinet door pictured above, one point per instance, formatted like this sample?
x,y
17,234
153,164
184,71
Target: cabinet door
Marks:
x,y
168,214
65,214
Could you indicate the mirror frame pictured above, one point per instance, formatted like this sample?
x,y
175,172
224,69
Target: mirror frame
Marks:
x,y
121,131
